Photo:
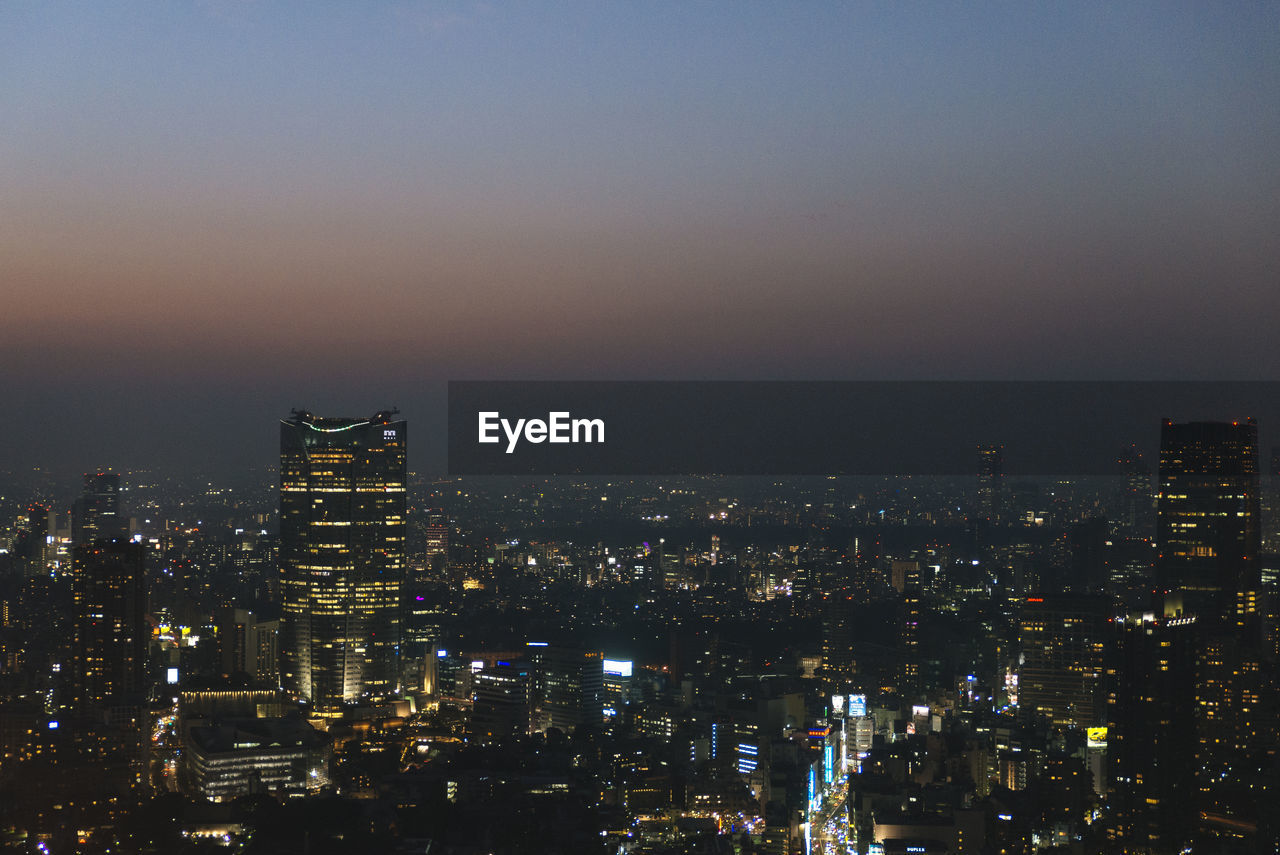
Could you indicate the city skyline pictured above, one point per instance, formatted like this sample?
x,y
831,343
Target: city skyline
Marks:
x,y
790,665
222,210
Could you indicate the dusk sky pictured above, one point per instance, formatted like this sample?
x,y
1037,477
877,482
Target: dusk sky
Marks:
x,y
213,211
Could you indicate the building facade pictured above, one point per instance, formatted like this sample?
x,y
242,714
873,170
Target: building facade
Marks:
x,y
342,555
109,589
1063,639
1208,521
97,514
240,757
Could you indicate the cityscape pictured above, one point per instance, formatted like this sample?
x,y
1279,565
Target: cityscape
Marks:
x,y
465,427
355,658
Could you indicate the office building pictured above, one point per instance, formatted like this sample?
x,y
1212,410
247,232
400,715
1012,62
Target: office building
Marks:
x,y
501,702
109,589
1208,515
97,512
990,482
249,646
1136,504
249,756
1151,733
906,579
436,536
342,555
1062,640
568,687
838,624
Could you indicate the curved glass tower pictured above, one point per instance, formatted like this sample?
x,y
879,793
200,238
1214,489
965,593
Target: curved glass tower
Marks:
x,y
342,555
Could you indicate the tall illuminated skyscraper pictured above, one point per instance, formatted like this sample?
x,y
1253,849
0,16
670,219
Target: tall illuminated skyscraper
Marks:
x,y
342,555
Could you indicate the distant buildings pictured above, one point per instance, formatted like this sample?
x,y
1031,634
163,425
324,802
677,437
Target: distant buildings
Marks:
x,y
342,555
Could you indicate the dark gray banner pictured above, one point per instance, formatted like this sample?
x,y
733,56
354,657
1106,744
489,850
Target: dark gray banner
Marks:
x,y
830,428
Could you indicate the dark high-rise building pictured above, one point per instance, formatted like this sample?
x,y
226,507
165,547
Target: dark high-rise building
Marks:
x,y
342,555
990,481
501,701
1208,527
1136,506
1271,505
97,511
1151,739
906,578
1208,533
109,586
436,536
98,756
838,619
568,687
1088,570
1236,730
31,543
1062,639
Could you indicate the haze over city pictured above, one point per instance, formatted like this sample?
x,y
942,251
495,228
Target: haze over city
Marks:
x,y
216,211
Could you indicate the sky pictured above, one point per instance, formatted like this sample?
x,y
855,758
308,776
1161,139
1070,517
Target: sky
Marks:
x,y
213,211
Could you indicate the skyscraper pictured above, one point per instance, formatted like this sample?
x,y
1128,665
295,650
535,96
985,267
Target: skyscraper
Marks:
x,y
97,511
109,587
906,579
568,687
1209,539
838,624
342,555
105,756
990,481
501,701
247,645
1136,506
1062,639
1151,724
1208,527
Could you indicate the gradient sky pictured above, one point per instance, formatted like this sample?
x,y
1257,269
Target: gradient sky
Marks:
x,y
214,210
